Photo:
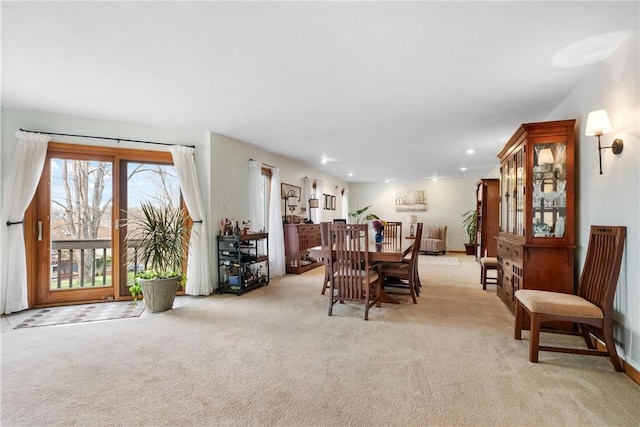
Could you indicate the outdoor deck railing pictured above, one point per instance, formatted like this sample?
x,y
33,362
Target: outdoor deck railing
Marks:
x,y
69,251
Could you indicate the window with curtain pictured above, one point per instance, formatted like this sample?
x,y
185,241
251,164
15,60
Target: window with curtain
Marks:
x,y
265,186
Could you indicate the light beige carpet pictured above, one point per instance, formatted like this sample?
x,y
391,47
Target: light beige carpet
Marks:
x,y
272,357
439,260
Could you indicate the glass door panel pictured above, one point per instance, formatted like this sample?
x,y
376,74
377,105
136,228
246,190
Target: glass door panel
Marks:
x,y
146,183
74,237
549,190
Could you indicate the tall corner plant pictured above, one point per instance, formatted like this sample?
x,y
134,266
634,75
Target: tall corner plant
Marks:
x,y
161,237
470,225
360,216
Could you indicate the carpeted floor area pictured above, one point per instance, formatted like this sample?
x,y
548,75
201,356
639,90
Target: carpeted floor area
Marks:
x,y
439,260
272,357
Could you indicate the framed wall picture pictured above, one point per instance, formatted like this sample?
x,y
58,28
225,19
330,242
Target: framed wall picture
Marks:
x,y
411,201
333,203
285,188
327,201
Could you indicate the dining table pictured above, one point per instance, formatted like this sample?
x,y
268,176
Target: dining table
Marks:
x,y
394,251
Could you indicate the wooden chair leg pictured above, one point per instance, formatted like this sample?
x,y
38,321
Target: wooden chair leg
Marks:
x,y
534,338
327,279
611,348
483,272
366,305
587,338
412,288
517,331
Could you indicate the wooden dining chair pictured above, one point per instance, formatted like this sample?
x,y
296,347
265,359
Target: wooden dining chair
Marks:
x,y
392,232
403,275
326,242
591,308
352,277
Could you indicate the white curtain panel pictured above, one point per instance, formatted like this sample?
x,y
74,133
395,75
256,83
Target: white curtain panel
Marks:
x,y
345,205
276,233
255,195
256,199
22,181
308,189
320,194
198,274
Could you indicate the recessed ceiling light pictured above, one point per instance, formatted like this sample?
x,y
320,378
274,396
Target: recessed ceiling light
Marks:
x,y
463,168
435,178
471,151
323,161
350,174
386,180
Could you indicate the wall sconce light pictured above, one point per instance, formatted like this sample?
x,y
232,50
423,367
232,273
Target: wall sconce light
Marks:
x,y
291,198
598,124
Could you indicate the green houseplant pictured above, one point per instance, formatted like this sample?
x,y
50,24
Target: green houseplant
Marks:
x,y
360,216
160,236
470,225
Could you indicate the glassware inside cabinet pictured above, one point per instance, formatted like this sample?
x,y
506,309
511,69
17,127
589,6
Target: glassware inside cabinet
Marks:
x,y
519,192
549,189
504,199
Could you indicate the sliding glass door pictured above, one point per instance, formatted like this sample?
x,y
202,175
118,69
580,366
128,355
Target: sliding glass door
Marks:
x,y
79,219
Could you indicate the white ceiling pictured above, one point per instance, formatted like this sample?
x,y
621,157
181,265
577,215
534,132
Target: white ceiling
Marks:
x,y
385,90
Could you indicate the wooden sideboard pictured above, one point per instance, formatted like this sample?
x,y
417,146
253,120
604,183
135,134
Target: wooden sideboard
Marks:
x,y
298,238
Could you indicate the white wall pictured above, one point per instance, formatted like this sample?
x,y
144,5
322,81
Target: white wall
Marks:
x,y
612,198
447,200
230,174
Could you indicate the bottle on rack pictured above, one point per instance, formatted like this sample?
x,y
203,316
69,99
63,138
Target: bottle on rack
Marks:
x,y
236,229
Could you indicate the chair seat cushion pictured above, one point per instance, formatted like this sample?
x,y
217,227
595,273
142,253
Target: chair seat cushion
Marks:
x,y
557,303
489,261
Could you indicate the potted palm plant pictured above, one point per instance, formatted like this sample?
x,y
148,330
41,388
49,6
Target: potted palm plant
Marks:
x,y
161,239
470,224
360,215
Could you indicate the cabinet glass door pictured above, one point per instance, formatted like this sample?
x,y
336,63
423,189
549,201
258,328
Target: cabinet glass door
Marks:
x,y
519,192
549,190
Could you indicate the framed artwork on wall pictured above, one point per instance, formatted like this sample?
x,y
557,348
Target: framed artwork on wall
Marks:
x,y
411,201
285,188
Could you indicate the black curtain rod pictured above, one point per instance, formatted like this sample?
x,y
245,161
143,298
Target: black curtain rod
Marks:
x,y
103,137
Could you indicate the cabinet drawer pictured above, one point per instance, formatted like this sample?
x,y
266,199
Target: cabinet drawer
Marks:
x,y
306,229
516,255
504,249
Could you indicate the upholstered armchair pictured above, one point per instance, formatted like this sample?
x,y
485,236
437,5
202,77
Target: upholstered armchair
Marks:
x,y
434,239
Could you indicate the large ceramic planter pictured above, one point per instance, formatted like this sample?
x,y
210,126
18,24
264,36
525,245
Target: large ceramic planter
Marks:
x,y
159,294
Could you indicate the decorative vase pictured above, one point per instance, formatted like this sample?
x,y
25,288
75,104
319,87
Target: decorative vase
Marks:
x,y
379,237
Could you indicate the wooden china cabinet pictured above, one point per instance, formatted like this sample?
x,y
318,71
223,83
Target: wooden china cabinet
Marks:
x,y
536,242
488,205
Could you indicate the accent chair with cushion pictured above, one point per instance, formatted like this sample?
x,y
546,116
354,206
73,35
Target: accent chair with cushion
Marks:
x,y
434,239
